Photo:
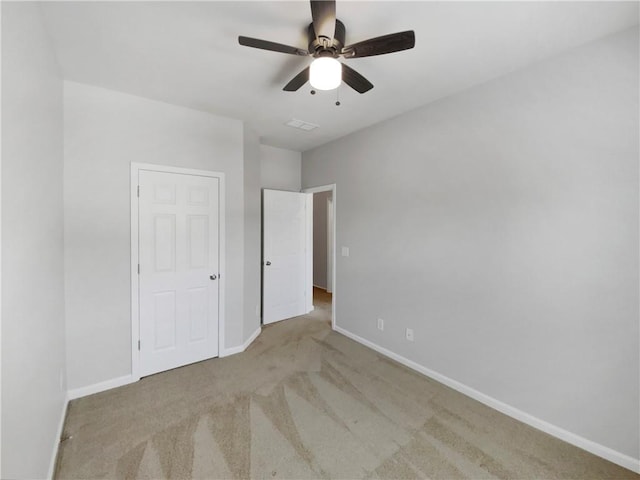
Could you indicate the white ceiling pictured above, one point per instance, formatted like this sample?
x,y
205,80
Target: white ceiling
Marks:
x,y
187,53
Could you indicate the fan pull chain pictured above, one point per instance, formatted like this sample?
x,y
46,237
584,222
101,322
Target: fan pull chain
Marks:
x,y
338,97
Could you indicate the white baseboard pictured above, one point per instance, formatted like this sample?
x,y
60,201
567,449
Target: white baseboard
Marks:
x,y
56,445
100,387
253,336
243,347
607,453
127,379
326,289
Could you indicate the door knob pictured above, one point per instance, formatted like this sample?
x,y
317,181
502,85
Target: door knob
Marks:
x,y
268,263
213,277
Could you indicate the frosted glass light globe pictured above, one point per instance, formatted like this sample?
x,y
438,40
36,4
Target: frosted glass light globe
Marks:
x,y
325,73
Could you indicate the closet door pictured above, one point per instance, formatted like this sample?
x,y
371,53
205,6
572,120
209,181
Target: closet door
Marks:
x,y
179,269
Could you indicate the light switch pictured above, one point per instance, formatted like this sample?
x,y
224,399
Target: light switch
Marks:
x,y
345,251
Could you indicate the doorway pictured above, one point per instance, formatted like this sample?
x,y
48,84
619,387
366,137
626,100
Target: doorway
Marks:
x,y
324,240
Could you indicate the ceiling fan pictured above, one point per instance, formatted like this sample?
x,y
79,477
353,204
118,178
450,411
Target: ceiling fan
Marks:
x,y
326,44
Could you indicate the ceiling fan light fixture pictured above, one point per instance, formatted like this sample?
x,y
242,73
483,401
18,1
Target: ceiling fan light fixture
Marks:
x,y
326,35
325,73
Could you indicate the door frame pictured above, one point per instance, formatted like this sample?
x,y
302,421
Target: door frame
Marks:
x,y
330,246
329,188
135,255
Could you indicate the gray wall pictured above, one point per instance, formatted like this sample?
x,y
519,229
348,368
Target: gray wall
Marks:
x,y
280,168
104,132
320,239
501,224
252,237
33,342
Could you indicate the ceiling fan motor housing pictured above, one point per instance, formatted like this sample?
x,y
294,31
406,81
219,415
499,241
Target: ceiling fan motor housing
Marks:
x,y
327,47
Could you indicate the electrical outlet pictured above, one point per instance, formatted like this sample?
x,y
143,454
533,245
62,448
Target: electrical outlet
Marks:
x,y
409,334
380,324
345,251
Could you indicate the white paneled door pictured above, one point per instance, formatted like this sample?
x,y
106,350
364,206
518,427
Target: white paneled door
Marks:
x,y
178,220
287,255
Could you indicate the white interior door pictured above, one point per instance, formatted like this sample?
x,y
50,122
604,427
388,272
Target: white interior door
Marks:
x,y
287,255
179,268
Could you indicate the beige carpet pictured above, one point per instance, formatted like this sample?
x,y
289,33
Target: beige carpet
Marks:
x,y
306,402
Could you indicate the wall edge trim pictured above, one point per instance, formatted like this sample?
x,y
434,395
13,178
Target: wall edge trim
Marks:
x,y
56,445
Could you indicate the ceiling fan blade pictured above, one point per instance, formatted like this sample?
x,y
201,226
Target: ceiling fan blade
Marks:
x,y
355,80
272,46
394,42
297,81
323,13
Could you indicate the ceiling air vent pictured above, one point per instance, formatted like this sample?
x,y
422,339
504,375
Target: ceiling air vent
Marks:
x,y
301,125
